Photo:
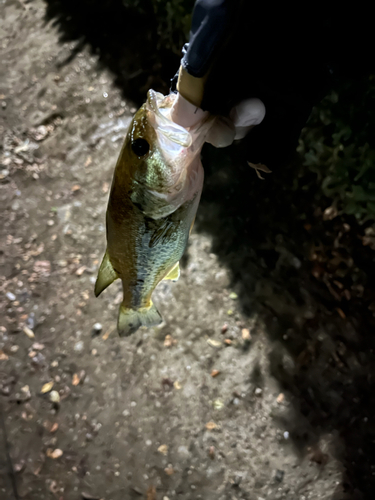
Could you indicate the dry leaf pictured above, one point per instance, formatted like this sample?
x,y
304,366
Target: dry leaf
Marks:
x,y
215,373
37,346
47,387
76,379
259,167
177,385
246,334
3,356
42,267
80,270
54,427
280,398
28,332
169,341
108,332
163,449
151,493
213,343
224,328
54,453
210,426
88,161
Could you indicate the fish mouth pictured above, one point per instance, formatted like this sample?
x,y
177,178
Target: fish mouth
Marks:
x,y
167,130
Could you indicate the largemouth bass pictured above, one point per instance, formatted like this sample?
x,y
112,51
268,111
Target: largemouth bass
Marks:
x,y
152,205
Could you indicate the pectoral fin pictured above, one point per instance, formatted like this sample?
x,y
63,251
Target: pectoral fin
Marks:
x,y
129,320
106,275
174,273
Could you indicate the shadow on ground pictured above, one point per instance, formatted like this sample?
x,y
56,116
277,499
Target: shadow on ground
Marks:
x,y
308,278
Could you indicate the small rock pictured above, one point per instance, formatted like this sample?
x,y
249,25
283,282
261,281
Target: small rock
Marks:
x,y
286,435
280,398
28,332
215,373
10,296
163,449
78,346
4,173
279,476
233,296
224,328
258,391
96,329
54,397
245,334
47,387
30,322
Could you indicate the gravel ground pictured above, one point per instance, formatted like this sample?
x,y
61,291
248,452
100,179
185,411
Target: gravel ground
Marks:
x,y
258,385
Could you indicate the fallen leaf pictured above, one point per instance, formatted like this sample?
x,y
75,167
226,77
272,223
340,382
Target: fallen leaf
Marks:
x,y
280,398
215,373
245,334
259,167
54,427
47,387
75,380
88,161
214,343
42,267
28,332
169,341
57,453
177,385
151,493
80,270
37,346
230,312
3,356
218,404
341,313
210,426
233,296
163,449
169,471
108,332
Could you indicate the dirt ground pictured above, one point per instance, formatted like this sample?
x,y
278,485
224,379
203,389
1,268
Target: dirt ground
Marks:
x,y
260,382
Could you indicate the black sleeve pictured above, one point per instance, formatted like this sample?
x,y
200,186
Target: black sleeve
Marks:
x,y
211,22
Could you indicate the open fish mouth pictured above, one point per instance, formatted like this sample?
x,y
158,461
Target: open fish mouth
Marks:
x,y
172,137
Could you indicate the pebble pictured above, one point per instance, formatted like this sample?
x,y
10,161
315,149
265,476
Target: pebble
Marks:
x,y
96,329
279,476
4,173
30,322
258,391
10,296
78,347
286,435
54,396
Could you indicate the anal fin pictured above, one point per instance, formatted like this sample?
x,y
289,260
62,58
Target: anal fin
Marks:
x,y
106,275
174,273
129,320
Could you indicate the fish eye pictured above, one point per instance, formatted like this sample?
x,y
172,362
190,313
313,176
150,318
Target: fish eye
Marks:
x,y
140,147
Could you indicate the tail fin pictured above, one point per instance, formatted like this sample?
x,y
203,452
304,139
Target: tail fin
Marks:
x,y
106,275
129,320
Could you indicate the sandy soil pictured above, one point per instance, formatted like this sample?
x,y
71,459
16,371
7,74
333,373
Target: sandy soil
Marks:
x,y
260,382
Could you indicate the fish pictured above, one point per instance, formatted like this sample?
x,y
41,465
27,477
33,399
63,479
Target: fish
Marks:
x,y
154,197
